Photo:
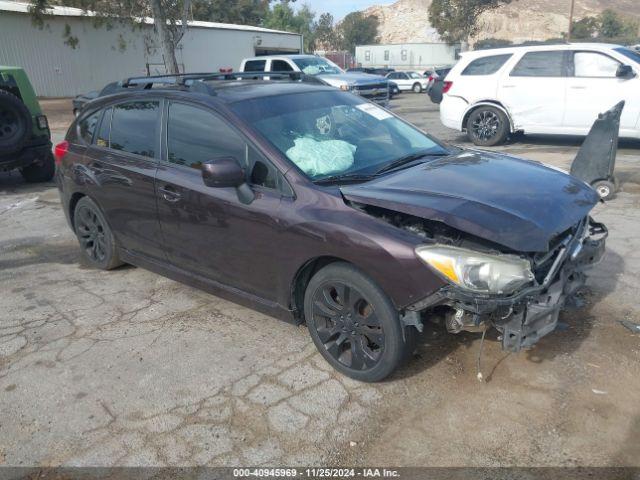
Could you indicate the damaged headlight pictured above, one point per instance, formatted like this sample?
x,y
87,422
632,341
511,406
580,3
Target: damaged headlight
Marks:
x,y
477,271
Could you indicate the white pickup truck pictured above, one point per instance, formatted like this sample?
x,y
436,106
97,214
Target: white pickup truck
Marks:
x,y
371,87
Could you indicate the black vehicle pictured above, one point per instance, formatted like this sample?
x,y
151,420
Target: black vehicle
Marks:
x,y
315,205
436,83
372,71
81,100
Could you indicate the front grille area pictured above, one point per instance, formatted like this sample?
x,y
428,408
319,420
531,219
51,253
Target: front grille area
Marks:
x,y
543,262
373,91
372,86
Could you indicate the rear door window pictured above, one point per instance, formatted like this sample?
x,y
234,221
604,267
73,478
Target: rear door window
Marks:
x,y
134,127
594,64
541,64
486,65
87,127
255,65
102,138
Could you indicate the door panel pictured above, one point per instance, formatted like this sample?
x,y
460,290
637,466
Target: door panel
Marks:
x,y
125,180
534,91
593,88
210,232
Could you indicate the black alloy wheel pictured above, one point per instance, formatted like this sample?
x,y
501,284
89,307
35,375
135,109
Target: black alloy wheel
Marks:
x,y
487,126
348,326
353,323
94,235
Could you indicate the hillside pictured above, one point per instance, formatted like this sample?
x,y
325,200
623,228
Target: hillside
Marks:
x,y
408,20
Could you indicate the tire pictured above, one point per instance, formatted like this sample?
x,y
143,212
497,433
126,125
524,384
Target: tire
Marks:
x,y
605,189
97,243
417,88
41,170
16,125
353,323
487,126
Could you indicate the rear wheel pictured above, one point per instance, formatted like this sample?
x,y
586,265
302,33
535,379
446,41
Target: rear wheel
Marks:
x,y
487,126
41,170
15,123
417,88
353,323
97,242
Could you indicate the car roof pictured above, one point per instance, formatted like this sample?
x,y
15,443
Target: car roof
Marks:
x,y
225,91
521,48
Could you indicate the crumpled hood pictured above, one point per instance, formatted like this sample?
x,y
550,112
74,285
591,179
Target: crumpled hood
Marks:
x,y
513,202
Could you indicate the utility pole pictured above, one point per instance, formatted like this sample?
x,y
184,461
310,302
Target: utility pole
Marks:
x,y
570,20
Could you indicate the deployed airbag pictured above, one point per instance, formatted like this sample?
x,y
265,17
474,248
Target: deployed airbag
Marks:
x,y
321,157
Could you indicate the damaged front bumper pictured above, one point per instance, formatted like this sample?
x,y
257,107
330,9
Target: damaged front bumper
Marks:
x,y
525,316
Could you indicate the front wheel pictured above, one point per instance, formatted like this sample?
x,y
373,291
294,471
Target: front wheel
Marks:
x,y
353,323
487,126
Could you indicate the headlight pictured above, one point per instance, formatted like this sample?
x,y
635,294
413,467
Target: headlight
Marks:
x,y
479,272
344,87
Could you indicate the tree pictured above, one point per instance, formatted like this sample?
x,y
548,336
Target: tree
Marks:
x,y
457,21
242,12
491,43
283,17
613,26
170,19
326,35
584,28
357,29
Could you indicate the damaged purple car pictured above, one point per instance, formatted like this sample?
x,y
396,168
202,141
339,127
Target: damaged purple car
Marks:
x,y
316,206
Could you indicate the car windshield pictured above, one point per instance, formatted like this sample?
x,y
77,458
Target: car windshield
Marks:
x,y
627,52
335,134
317,66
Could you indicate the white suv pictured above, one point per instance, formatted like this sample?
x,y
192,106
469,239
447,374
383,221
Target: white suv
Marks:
x,y
551,89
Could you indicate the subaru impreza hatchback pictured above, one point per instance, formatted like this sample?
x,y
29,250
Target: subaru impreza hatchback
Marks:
x,y
314,205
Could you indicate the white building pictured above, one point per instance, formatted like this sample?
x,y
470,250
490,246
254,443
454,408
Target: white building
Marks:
x,y
407,56
102,56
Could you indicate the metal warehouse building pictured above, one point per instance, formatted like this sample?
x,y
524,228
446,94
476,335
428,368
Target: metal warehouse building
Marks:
x,y
407,56
102,56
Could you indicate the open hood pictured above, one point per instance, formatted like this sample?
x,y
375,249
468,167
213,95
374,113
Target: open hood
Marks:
x,y
513,202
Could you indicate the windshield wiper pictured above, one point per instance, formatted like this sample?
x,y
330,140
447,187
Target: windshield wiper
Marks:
x,y
349,177
408,159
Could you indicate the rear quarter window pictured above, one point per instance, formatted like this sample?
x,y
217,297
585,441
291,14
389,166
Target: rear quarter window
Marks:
x,y
486,65
133,127
87,127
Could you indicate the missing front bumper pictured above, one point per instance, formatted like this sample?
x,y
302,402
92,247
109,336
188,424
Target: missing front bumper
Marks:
x,y
526,316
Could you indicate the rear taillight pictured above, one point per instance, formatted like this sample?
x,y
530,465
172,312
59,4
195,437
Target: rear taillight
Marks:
x,y
446,86
60,150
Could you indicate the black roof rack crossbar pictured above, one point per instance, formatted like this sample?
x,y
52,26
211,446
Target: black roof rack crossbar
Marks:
x,y
188,79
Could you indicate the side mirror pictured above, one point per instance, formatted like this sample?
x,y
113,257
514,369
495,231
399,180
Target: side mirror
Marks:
x,y
226,172
625,71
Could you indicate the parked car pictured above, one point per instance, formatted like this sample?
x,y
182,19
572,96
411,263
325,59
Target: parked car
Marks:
x,y
25,140
409,81
394,89
81,100
317,206
371,87
553,89
436,84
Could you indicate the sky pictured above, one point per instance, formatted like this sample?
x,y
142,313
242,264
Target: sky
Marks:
x,y
339,8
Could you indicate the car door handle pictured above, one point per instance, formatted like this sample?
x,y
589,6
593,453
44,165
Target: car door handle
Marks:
x,y
170,194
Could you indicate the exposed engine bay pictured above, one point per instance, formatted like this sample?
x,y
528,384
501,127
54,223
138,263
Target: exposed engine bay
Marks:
x,y
522,317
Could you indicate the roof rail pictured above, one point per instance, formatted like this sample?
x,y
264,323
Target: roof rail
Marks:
x,y
187,79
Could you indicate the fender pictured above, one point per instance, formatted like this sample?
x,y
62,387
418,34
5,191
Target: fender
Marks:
x,y
490,103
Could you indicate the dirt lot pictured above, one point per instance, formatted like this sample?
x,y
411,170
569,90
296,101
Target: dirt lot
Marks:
x,y
129,368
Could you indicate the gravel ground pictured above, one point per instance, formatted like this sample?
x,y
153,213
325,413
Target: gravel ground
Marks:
x,y
130,368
